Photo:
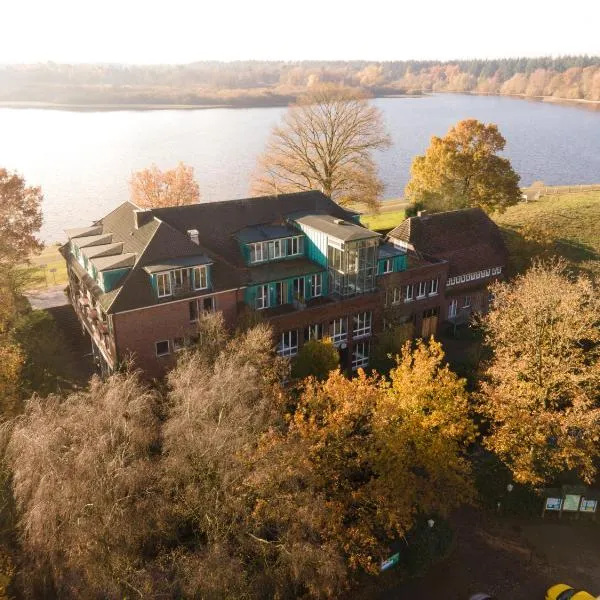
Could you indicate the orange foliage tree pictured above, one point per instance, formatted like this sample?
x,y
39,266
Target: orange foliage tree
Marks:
x,y
153,188
20,218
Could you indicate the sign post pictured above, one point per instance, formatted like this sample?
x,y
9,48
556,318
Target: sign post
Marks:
x,y
390,562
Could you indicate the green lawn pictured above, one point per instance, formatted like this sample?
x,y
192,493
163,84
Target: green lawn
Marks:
x,y
42,266
383,220
565,224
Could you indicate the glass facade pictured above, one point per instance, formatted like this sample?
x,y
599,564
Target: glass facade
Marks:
x,y
352,267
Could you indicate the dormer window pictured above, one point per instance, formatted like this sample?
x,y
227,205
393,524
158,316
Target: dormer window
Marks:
x,y
163,281
200,278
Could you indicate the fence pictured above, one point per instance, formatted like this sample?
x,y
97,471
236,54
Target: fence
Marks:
x,y
564,189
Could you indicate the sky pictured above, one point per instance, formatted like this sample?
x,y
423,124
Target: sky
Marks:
x,y
178,31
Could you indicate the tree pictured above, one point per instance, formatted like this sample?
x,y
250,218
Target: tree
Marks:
x,y
20,218
84,481
541,388
153,188
365,456
463,170
325,143
317,358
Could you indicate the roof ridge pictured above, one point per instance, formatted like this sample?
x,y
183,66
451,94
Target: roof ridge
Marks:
x,y
136,263
114,210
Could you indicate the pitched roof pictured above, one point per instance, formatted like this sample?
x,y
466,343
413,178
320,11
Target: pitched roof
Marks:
x,y
467,238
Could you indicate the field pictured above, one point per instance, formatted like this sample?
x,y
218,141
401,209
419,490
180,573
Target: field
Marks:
x,y
565,224
383,220
48,269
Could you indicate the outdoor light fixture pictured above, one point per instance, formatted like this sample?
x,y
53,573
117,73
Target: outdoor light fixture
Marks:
x,y
430,522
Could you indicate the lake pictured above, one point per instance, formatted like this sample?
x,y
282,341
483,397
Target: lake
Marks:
x,y
83,160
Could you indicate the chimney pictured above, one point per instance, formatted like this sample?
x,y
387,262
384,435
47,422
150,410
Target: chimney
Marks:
x,y
194,235
141,217
421,213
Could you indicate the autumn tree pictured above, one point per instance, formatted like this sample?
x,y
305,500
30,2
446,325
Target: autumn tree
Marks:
x,y
365,455
317,358
541,392
83,478
153,188
463,169
20,218
325,143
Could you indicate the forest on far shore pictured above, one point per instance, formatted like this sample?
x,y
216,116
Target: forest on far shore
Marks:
x,y
268,83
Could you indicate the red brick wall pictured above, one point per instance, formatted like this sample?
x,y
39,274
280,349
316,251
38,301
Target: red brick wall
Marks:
x,y
136,332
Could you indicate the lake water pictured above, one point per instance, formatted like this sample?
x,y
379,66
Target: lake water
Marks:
x,y
83,160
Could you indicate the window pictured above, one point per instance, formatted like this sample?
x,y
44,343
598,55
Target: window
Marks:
x,y
316,284
452,309
295,246
275,250
338,330
299,287
208,304
461,279
162,348
193,308
422,289
362,324
387,266
200,278
178,344
360,355
396,295
467,302
433,289
262,297
163,282
487,272
281,295
409,291
256,253
313,332
181,278
288,344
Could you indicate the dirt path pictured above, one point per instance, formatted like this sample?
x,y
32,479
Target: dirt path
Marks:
x,y
514,559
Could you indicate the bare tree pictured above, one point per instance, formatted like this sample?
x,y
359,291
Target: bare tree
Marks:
x,y
325,143
153,188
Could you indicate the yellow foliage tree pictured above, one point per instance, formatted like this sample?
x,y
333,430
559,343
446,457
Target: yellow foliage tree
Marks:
x,y
463,169
541,392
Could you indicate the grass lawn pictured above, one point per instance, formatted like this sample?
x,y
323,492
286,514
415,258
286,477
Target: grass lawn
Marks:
x,y
42,265
383,220
565,224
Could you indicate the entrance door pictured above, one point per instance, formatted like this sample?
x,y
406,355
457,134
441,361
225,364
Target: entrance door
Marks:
x,y
430,322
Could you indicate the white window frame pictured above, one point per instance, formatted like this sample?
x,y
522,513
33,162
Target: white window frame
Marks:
x,y
461,278
164,276
487,272
272,245
164,353
469,304
263,300
287,345
315,332
340,330
202,272
178,347
396,296
362,324
435,284
452,308
256,247
360,355
409,288
316,284
295,246
388,266
421,289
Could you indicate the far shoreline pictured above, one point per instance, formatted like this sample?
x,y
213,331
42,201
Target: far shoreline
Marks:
x,y
250,102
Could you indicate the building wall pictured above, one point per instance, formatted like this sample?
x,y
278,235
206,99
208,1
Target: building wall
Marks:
x,y
136,332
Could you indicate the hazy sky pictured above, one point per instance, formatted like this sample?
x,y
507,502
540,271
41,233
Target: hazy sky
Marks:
x,y
178,31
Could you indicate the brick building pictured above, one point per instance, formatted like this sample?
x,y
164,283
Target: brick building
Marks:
x,y
139,279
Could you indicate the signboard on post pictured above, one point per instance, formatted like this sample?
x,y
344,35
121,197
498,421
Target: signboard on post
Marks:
x,y
571,502
553,503
588,505
390,562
